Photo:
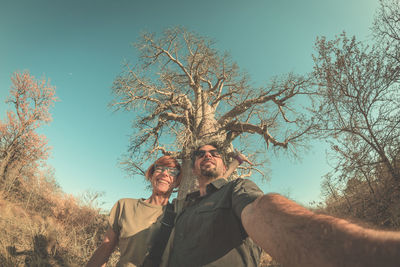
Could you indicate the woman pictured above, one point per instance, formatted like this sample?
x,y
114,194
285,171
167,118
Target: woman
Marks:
x,y
134,222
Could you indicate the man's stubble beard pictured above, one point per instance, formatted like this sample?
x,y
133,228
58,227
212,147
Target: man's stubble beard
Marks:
x,y
211,173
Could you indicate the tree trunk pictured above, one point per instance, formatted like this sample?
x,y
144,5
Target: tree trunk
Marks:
x,y
189,181
3,166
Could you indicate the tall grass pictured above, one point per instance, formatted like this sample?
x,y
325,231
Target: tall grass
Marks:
x,y
42,226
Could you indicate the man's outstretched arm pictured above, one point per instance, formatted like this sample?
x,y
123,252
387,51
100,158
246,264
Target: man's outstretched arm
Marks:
x,y
295,236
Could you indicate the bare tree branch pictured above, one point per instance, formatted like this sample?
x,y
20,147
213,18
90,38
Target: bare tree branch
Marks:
x,y
186,91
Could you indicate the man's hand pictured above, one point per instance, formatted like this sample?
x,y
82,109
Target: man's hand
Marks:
x,y
241,158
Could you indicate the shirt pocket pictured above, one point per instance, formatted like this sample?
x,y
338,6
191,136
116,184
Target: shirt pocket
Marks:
x,y
213,217
217,230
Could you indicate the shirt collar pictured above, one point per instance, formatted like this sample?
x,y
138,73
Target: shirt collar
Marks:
x,y
211,187
218,183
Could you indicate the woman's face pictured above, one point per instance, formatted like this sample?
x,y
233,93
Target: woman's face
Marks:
x,y
163,179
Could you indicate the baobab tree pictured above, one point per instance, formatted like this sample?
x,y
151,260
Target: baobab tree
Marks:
x,y
183,89
21,147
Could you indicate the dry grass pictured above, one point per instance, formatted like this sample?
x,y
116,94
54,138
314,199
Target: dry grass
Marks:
x,y
41,226
374,205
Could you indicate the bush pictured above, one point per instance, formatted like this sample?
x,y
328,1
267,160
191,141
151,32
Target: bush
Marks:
x,y
42,226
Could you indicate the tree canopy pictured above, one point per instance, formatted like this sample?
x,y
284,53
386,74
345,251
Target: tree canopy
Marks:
x,y
21,147
184,89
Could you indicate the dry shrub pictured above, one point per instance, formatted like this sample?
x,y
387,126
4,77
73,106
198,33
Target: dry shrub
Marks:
x,y
375,203
17,230
32,190
42,226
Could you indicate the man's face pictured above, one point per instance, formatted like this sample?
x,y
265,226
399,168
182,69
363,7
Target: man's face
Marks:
x,y
208,162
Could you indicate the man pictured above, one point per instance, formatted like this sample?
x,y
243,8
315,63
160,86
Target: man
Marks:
x,y
209,231
215,225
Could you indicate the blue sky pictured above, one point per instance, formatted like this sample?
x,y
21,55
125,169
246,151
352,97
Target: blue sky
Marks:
x,y
81,45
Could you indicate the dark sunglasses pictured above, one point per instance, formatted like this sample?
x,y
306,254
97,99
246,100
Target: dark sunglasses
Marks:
x,y
200,153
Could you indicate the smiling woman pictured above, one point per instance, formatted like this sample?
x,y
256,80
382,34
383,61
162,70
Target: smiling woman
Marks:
x,y
134,223
164,175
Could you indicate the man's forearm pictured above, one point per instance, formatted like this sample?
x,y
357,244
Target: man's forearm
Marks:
x,y
296,236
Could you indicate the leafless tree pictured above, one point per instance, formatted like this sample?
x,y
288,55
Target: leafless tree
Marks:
x,y
185,90
359,107
386,28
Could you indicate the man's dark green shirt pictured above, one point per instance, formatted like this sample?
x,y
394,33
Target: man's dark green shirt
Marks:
x,y
209,231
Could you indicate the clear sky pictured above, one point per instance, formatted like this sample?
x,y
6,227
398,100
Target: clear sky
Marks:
x,y
80,46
